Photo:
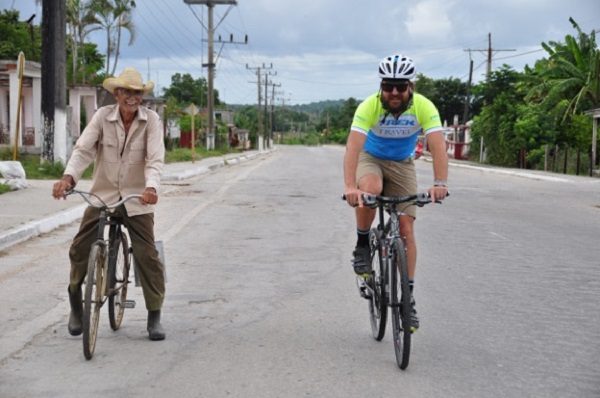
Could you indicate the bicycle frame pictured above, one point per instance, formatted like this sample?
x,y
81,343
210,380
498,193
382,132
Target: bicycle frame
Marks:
x,y
103,283
388,284
115,229
390,233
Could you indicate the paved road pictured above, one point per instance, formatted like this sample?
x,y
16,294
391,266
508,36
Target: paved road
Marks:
x,y
261,298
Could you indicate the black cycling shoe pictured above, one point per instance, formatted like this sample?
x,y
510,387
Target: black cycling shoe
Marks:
x,y
361,260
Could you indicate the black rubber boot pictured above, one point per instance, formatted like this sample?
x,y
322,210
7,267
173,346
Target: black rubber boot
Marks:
x,y
155,329
76,315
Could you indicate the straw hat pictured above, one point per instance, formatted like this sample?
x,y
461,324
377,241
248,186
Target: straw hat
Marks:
x,y
129,78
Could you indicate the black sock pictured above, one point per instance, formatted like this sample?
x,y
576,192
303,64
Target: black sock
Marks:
x,y
363,238
411,284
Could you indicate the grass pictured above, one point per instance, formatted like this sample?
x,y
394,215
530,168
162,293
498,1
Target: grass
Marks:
x,y
185,154
35,169
4,188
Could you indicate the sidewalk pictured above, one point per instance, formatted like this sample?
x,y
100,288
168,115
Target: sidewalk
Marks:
x,y
29,212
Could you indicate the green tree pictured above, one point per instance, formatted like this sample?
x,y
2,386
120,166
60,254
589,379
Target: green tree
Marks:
x,y
447,94
247,118
566,84
17,36
90,63
496,122
185,89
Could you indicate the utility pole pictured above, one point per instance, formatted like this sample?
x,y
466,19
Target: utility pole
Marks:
x,y
489,52
54,81
468,99
267,84
272,110
210,136
258,107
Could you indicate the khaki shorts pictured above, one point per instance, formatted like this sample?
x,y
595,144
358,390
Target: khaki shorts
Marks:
x,y
399,177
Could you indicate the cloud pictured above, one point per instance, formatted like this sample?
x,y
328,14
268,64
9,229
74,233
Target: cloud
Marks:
x,y
329,48
429,21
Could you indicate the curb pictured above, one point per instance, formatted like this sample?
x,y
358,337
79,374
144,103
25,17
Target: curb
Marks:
x,y
199,170
506,171
35,228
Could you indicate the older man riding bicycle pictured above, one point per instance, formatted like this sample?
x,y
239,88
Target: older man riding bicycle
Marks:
x,y
126,142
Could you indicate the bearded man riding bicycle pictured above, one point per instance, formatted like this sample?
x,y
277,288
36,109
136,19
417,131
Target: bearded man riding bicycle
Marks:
x,y
380,152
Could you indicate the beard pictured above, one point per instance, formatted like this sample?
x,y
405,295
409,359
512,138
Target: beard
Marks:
x,y
398,109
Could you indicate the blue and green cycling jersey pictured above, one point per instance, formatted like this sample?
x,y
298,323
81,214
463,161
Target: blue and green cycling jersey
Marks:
x,y
392,138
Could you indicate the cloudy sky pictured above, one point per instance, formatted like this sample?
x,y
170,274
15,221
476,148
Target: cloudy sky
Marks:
x,y
330,49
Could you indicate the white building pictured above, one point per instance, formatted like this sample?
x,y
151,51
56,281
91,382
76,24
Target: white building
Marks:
x,y
30,135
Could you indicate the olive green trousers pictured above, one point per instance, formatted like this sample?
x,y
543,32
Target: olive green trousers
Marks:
x,y
150,270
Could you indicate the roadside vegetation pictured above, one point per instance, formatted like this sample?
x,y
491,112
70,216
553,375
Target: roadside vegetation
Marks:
x,y
537,118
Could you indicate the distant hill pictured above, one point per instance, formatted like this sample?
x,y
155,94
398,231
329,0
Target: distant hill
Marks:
x,y
312,108
317,107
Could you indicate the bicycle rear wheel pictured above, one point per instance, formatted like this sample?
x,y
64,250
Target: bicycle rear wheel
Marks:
x,y
400,309
376,283
95,284
118,271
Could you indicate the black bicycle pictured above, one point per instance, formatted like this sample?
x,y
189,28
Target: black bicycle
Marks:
x,y
387,285
107,277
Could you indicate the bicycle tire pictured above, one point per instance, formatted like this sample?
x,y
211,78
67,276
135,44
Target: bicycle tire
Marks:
x,y
118,271
95,284
377,283
400,309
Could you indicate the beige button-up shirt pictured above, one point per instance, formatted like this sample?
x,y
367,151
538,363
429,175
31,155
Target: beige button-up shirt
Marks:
x,y
124,163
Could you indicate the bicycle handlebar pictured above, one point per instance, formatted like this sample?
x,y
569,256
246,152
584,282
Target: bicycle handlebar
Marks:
x,y
419,199
86,196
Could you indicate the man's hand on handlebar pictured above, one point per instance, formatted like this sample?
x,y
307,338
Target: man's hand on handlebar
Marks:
x,y
63,185
354,197
149,196
437,193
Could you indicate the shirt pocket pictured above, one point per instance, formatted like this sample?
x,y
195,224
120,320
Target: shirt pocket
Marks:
x,y
110,149
137,153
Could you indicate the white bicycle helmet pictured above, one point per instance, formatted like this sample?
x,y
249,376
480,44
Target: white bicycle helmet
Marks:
x,y
397,66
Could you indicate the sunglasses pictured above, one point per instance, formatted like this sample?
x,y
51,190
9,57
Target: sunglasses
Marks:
x,y
130,93
389,87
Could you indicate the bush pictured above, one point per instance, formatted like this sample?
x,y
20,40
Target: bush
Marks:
x,y
311,139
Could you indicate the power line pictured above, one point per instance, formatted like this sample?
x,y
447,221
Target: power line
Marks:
x,y
168,32
489,51
521,54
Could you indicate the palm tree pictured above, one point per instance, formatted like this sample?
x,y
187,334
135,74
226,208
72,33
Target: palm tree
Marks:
x,y
572,81
81,21
573,72
113,16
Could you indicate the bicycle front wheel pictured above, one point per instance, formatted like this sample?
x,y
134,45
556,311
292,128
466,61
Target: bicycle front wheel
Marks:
x,y
95,285
118,271
376,283
400,309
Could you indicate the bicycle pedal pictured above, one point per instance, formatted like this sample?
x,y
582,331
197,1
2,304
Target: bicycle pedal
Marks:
x,y
362,288
129,304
